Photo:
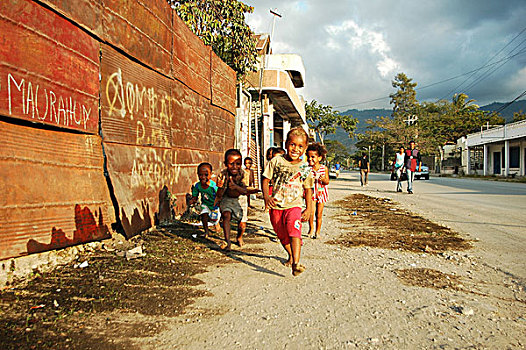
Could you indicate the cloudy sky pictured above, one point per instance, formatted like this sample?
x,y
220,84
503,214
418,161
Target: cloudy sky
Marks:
x,y
352,49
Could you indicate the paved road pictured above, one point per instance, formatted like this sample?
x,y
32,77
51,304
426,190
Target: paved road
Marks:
x,y
492,212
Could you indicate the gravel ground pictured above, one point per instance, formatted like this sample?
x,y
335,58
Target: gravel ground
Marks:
x,y
349,297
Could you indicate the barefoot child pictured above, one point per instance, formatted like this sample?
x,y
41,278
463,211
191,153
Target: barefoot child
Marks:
x,y
207,189
275,151
291,177
232,184
251,178
315,154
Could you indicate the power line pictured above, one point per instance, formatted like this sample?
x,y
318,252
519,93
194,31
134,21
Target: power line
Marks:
x,y
442,81
488,61
490,72
509,103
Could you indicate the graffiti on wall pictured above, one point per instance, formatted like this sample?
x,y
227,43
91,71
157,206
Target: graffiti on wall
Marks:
x,y
135,103
28,99
141,104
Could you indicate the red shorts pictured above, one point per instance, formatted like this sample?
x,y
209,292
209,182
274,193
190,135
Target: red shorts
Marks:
x,y
286,223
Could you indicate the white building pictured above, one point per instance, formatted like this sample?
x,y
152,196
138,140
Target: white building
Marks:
x,y
496,151
270,97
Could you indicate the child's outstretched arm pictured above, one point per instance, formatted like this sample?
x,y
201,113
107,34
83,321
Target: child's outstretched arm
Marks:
x,y
220,190
306,214
324,180
269,201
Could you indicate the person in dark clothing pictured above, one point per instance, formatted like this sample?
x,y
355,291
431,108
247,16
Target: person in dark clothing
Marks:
x,y
412,161
365,168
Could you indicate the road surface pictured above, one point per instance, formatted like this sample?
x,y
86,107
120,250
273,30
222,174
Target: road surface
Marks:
x,y
352,298
493,212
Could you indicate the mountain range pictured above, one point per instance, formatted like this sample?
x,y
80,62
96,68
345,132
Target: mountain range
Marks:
x,y
363,115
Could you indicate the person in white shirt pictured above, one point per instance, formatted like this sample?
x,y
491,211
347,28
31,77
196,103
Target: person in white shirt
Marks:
x,y
398,167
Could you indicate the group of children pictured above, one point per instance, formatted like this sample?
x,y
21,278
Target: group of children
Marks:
x,y
288,181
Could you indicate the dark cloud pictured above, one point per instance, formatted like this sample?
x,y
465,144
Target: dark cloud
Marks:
x,y
353,49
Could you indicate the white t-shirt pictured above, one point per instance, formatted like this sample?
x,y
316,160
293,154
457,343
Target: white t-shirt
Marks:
x,y
399,160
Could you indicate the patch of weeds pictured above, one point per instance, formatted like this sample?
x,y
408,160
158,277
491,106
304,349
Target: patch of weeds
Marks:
x,y
378,222
428,278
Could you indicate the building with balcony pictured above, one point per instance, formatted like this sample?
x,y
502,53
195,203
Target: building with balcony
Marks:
x,y
495,151
269,104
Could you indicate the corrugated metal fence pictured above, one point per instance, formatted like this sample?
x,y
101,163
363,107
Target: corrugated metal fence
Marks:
x,y
105,105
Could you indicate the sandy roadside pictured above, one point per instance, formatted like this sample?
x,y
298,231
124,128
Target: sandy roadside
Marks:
x,y
347,298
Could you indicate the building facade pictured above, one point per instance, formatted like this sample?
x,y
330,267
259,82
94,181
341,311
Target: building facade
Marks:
x,y
497,151
269,104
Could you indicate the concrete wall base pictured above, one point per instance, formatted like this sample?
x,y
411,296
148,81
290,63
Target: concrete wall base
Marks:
x,y
20,268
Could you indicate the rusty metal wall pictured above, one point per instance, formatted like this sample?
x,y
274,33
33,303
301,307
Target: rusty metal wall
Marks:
x,y
49,68
142,29
191,59
166,103
223,91
85,13
53,190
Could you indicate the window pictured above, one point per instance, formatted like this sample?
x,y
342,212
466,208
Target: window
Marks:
x,y
514,157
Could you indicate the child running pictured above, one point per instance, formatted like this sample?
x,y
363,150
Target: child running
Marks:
x,y
207,189
315,154
251,178
291,177
232,184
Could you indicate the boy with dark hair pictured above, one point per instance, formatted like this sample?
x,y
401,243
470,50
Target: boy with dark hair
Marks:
x,y
232,183
207,189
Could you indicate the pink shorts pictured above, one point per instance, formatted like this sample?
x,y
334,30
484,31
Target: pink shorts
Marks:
x,y
286,223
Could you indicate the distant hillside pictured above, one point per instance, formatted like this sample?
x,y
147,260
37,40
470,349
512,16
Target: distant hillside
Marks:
x,y
507,114
363,115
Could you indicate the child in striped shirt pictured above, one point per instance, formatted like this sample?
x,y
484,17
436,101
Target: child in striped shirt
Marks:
x,y
320,195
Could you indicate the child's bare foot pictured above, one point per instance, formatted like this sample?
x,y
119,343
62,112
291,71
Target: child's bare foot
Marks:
x,y
240,241
287,263
226,246
297,269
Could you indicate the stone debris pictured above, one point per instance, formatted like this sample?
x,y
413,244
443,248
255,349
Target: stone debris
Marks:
x,y
134,253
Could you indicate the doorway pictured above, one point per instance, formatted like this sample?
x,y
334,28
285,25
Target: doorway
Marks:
x,y
496,163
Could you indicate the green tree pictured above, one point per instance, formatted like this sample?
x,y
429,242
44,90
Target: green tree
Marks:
x,y
324,120
518,116
461,104
336,152
405,105
221,25
382,136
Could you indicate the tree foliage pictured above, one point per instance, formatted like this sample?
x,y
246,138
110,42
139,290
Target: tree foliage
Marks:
x,y
404,101
336,152
518,116
221,25
324,120
437,123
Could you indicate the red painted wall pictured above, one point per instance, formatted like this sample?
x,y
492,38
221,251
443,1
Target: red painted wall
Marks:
x,y
167,103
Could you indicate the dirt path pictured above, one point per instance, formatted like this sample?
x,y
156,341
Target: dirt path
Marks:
x,y
349,297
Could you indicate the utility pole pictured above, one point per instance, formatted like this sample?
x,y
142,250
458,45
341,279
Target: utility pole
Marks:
x,y
261,76
383,156
275,13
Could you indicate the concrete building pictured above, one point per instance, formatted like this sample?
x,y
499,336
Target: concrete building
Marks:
x,y
495,151
270,97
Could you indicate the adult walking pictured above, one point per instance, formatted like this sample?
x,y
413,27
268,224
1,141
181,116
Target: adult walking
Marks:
x,y
365,168
412,161
398,167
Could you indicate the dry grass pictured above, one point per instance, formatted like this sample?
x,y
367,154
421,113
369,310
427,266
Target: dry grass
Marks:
x,y
378,222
